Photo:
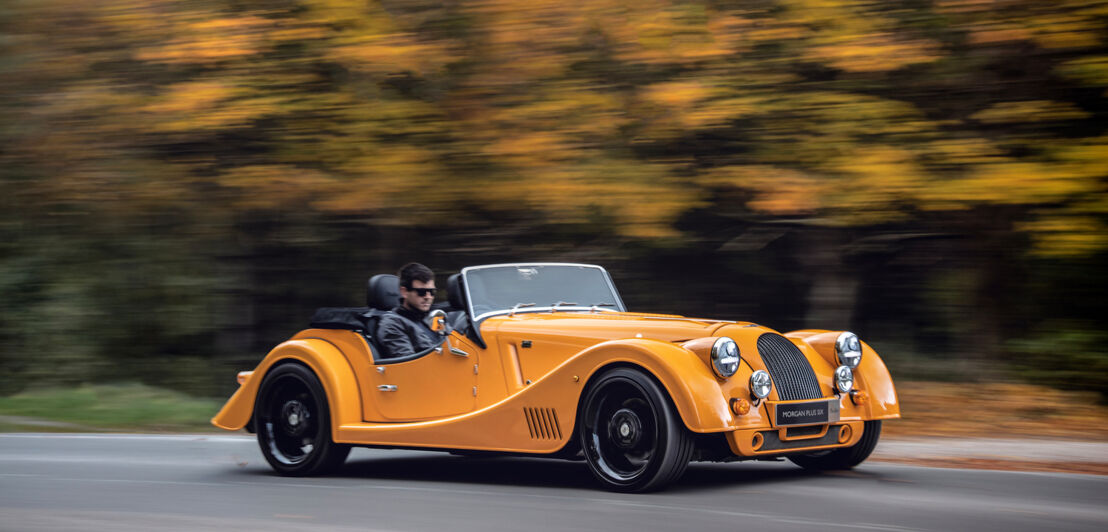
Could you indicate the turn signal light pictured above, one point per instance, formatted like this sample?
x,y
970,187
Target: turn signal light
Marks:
x,y
859,397
740,407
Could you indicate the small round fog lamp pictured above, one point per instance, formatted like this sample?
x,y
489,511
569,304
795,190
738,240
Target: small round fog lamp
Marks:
x,y
760,384
844,379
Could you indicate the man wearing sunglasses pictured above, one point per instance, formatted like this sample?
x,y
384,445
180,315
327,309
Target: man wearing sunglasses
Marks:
x,y
402,330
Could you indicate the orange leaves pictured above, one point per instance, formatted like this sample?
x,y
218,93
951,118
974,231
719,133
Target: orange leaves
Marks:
x,y
779,191
875,52
850,111
210,40
383,54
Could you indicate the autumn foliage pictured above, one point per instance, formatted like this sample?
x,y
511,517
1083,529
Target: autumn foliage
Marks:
x,y
150,141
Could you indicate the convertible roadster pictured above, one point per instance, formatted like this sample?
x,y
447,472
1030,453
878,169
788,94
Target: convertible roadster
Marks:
x,y
543,359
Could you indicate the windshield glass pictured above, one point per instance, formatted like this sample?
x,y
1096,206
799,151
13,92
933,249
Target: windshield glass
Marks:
x,y
529,287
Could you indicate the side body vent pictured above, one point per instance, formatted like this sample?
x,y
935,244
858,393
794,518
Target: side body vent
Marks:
x,y
543,423
792,374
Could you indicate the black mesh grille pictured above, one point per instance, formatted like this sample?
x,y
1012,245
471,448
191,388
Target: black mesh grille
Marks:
x,y
792,374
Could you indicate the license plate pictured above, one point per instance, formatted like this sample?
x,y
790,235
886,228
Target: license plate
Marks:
x,y
810,413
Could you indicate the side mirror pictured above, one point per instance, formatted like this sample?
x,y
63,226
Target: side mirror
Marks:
x,y
436,321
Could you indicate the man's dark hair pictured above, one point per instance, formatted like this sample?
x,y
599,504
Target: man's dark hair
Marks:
x,y
414,271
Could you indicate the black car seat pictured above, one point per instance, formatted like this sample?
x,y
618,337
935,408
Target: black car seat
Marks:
x,y
383,291
454,292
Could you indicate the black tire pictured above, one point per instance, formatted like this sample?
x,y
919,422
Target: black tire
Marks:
x,y
845,458
632,438
294,423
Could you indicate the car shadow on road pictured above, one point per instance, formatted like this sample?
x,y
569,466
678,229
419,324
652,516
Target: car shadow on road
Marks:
x,y
553,473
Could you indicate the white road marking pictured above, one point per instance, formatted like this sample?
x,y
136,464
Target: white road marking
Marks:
x,y
218,438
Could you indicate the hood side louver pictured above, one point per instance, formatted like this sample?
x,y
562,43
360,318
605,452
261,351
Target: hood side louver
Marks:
x,y
543,423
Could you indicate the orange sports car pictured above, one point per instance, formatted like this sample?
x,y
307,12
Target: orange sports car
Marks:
x,y
543,359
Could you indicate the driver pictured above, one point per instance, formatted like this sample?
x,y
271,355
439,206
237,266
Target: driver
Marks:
x,y
402,330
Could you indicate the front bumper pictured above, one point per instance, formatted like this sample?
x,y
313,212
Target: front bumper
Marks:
x,y
771,441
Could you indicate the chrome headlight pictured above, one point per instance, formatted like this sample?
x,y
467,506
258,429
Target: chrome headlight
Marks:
x,y
725,357
760,384
844,379
848,349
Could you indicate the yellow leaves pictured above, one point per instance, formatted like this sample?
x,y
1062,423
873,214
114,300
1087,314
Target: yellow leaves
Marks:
x,y
640,198
530,148
963,151
195,106
191,96
211,40
275,186
674,108
879,175
876,52
1066,31
681,95
1029,112
1067,236
406,182
1091,70
1055,25
1012,182
393,53
779,191
850,37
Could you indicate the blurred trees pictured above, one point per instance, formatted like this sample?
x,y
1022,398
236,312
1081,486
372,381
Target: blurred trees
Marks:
x,y
181,181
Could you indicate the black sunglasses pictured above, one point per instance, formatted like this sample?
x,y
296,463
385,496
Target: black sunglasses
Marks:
x,y
422,292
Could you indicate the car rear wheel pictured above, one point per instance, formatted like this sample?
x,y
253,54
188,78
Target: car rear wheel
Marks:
x,y
633,439
844,458
294,424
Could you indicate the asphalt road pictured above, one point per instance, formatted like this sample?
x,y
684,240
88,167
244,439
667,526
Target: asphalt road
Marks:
x,y
137,482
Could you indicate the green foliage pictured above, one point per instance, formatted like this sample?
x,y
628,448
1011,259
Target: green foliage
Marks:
x,y
116,406
1068,355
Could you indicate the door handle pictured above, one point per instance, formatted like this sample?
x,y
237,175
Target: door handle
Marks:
x,y
459,352
387,388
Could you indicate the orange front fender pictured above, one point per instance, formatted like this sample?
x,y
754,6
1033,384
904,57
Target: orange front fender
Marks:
x,y
689,382
871,375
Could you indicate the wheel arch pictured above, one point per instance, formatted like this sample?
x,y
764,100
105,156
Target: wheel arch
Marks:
x,y
688,384
871,374
323,359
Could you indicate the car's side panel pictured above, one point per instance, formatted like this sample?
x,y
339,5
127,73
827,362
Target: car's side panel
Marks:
x,y
871,375
433,386
542,416
323,358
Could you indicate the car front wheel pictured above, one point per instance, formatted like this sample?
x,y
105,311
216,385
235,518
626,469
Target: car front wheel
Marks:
x,y
293,423
844,458
633,439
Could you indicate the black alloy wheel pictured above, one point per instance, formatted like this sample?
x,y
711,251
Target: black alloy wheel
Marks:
x,y
294,424
632,437
844,458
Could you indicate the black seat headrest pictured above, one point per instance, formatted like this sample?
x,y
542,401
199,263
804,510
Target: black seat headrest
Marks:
x,y
455,293
383,291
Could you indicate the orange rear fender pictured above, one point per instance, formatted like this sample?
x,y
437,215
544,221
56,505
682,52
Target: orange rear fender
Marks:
x,y
323,358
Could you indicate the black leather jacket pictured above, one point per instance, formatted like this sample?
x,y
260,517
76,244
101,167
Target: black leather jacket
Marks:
x,y
402,332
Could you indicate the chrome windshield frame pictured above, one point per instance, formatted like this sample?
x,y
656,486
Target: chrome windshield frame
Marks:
x,y
620,307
